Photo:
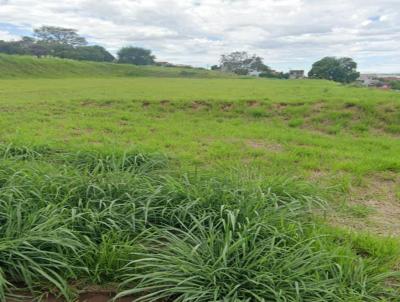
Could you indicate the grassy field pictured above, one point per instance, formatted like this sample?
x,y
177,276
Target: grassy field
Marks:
x,y
28,67
199,189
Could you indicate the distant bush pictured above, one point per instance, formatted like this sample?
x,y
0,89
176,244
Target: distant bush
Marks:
x,y
136,56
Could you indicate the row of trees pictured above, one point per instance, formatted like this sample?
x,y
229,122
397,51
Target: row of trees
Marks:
x,y
67,43
342,70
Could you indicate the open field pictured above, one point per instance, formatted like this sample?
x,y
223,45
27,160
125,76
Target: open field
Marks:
x,y
177,189
340,137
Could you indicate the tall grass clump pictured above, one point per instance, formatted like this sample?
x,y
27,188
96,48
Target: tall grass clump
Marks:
x,y
268,257
89,218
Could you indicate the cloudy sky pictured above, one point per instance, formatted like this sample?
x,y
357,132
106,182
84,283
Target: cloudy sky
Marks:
x,y
288,34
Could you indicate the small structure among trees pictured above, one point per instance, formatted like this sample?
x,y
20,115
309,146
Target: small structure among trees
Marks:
x,y
296,74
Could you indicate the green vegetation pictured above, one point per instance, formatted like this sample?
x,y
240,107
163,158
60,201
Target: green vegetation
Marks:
x,y
343,70
176,189
30,67
98,218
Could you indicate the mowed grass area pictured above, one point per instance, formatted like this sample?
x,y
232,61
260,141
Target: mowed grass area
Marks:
x,y
176,189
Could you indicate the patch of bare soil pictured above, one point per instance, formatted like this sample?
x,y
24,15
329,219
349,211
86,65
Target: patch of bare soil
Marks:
x,y
253,103
226,106
318,106
164,103
380,195
279,106
261,144
95,296
93,103
200,105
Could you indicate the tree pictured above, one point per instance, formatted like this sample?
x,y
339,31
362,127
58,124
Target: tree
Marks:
x,y
93,53
59,35
342,70
240,62
135,55
10,48
37,50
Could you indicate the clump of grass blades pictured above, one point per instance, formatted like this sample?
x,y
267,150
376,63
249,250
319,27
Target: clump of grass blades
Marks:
x,y
92,161
101,218
225,258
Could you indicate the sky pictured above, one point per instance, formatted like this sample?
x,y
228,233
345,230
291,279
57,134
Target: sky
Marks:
x,y
288,34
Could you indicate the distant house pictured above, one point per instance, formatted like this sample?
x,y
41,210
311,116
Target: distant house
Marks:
x,y
368,80
376,79
296,74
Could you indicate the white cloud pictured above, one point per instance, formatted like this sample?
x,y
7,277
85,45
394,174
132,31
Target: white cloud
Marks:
x,y
287,33
6,36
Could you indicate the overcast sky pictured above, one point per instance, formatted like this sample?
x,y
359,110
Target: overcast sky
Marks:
x,y
288,34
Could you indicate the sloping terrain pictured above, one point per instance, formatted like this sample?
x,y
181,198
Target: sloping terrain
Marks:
x,y
174,189
31,67
342,138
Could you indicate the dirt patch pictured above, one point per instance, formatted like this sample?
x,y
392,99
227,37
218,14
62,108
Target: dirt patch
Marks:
x,y
103,297
279,106
318,175
226,106
145,104
380,195
93,103
253,103
123,123
261,144
318,106
95,296
81,131
165,103
200,105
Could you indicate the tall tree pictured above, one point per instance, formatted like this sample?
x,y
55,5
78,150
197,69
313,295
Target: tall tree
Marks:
x,y
135,55
59,35
342,70
240,62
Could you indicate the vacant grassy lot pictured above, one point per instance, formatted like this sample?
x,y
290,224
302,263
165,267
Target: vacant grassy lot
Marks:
x,y
341,137
199,189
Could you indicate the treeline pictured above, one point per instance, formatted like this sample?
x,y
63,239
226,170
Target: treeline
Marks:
x,y
56,42
68,44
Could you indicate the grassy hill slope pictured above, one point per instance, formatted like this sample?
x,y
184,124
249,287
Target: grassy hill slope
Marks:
x,y
31,67
157,187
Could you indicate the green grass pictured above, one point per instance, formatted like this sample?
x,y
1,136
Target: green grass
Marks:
x,y
294,127
32,67
123,219
194,189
